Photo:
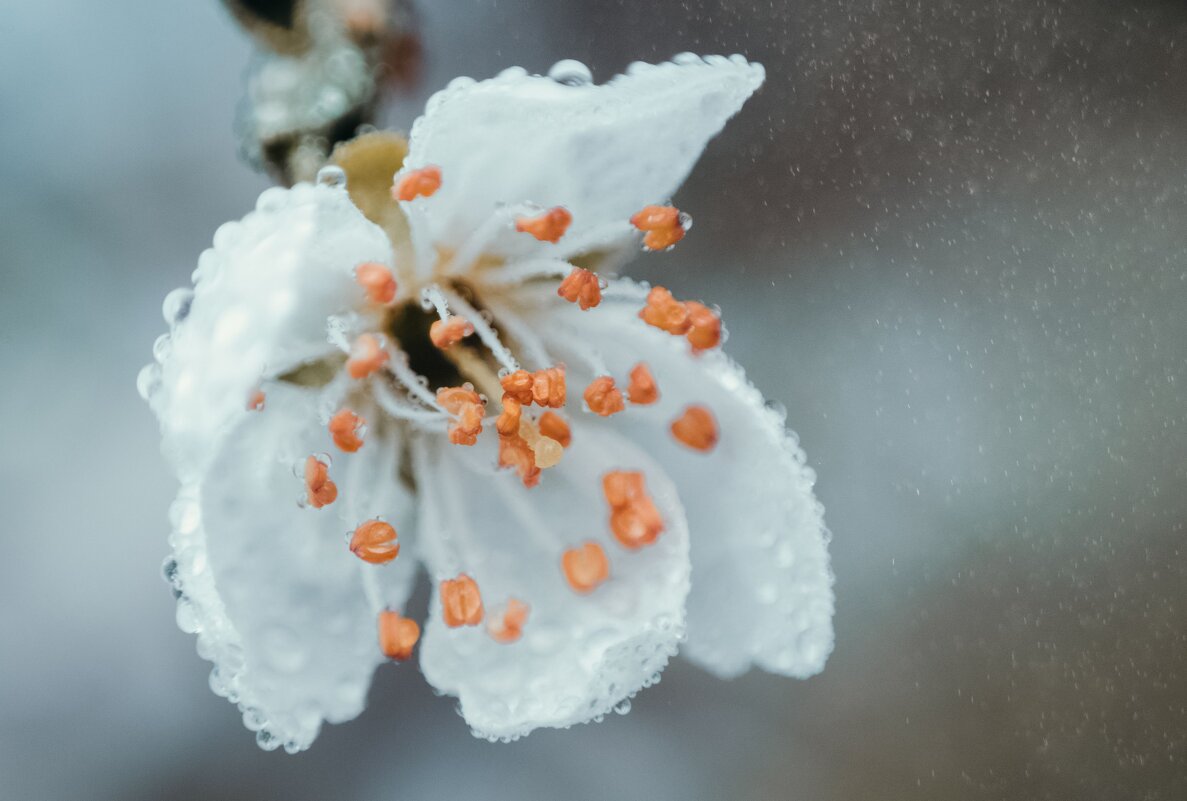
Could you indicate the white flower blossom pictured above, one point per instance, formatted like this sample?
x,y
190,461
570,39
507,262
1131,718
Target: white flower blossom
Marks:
x,y
458,380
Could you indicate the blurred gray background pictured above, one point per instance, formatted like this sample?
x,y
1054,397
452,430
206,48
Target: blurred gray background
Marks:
x,y
950,236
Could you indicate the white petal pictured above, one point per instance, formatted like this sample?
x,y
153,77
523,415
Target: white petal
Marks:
x,y
277,599
261,299
580,655
762,586
603,152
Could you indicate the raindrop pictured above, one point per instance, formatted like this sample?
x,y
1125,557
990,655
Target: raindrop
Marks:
x,y
571,72
332,175
267,740
148,381
170,570
176,306
162,347
623,706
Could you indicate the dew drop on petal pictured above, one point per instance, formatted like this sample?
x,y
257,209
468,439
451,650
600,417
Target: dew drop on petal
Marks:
x,y
571,72
148,381
176,306
332,175
267,740
623,706
187,618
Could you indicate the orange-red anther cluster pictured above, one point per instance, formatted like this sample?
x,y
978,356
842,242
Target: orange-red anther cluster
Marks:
x,y
461,603
586,566
642,389
506,625
633,517
696,428
662,225
467,409
543,387
581,287
507,423
319,490
346,429
397,635
374,541
603,398
377,281
514,451
417,183
446,333
547,227
696,321
366,356
553,426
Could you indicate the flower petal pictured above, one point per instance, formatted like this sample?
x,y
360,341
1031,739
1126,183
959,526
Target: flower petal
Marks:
x,y
602,152
762,586
277,599
261,299
580,655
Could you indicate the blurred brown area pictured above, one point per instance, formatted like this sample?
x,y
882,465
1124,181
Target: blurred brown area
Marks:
x,y
950,237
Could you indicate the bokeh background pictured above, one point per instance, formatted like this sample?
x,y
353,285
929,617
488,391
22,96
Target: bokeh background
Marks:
x,y
949,236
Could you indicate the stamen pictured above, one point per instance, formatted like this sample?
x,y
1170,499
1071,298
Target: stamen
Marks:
x,y
548,452
633,517
547,227
705,333
377,281
255,403
447,333
514,451
397,635
346,429
696,428
665,312
665,226
544,387
483,329
366,356
468,410
642,390
401,409
506,625
319,490
586,566
375,541
417,183
461,603
407,377
603,398
581,287
553,426
508,420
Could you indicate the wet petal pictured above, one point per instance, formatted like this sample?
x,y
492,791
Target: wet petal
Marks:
x,y
600,152
261,299
579,654
762,586
278,601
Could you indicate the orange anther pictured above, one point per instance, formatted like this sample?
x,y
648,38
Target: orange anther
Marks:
x,y
553,426
377,281
507,423
663,226
543,387
346,429
514,451
417,183
603,397
375,541
468,410
547,227
397,635
461,603
585,566
445,333
255,403
366,356
696,428
506,624
705,332
642,389
665,312
319,490
581,287
633,517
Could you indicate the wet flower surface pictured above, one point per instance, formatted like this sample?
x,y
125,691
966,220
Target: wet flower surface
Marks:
x,y
426,358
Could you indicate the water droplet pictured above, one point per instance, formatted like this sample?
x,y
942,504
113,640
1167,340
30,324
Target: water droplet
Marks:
x,y
623,706
332,175
292,747
571,72
187,617
267,740
148,381
170,571
176,306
